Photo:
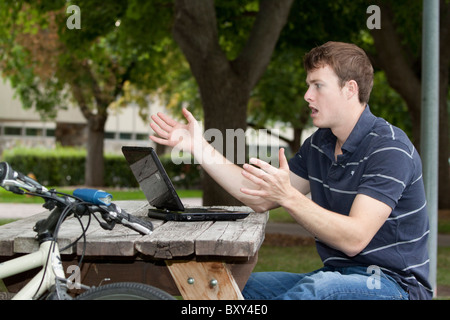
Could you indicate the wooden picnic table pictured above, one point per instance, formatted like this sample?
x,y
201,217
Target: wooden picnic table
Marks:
x,y
198,260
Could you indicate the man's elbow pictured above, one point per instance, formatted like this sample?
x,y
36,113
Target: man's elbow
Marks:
x,y
262,206
352,252
354,248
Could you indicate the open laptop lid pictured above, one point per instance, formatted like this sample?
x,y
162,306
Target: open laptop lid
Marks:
x,y
152,178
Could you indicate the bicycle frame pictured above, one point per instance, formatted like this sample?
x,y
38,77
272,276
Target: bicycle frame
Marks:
x,y
47,257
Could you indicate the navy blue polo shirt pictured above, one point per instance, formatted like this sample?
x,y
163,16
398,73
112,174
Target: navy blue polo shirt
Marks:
x,y
379,161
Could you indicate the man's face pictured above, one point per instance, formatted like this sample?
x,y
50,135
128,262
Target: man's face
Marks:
x,y
325,98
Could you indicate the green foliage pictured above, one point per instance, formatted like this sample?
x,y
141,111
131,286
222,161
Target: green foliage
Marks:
x,y
65,167
141,53
235,20
119,41
286,78
57,167
387,104
409,26
313,23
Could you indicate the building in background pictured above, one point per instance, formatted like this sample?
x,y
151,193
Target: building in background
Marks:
x,y
20,127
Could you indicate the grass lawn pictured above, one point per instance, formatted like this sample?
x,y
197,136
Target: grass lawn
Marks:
x,y
118,194
300,259
443,274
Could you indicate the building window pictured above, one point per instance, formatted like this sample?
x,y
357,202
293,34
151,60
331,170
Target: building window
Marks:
x,y
110,135
13,131
142,136
50,132
34,132
125,136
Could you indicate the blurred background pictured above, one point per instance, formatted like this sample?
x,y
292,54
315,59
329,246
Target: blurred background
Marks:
x,y
81,78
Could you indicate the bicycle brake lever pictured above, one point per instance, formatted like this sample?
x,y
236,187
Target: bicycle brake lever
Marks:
x,y
108,225
108,221
132,222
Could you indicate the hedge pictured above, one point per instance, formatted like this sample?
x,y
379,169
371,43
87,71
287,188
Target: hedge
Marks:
x,y
64,166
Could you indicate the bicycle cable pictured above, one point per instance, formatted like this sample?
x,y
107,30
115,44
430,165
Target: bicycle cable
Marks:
x,y
61,219
51,249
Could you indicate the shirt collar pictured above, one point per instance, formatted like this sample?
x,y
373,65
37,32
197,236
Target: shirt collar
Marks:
x,y
362,128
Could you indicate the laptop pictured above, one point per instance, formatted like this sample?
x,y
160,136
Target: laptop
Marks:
x,y
161,194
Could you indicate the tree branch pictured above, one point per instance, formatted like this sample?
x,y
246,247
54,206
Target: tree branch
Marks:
x,y
203,51
78,95
195,31
256,54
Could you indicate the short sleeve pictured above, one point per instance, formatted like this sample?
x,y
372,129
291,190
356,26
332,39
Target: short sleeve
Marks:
x,y
388,171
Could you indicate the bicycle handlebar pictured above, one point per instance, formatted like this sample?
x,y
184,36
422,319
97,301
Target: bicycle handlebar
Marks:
x,y
15,181
116,214
82,201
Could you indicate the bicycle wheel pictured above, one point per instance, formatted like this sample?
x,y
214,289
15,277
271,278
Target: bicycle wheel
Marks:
x,y
125,291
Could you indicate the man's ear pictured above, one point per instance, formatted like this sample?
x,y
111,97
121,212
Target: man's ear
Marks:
x,y
351,89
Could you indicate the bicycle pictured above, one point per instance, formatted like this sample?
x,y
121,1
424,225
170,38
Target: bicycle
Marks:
x,y
50,283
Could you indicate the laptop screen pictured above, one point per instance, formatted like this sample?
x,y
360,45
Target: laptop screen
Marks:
x,y
152,178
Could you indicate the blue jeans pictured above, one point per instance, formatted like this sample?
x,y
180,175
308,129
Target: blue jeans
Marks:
x,y
350,283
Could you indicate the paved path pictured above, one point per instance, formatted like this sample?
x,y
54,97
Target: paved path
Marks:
x,y
19,211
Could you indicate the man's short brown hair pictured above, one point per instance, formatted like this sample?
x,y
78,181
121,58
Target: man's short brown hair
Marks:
x,y
348,61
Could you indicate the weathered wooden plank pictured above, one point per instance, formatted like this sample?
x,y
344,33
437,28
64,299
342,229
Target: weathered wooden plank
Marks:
x,y
121,240
10,231
69,232
172,239
178,239
169,240
116,242
137,208
240,238
24,237
19,237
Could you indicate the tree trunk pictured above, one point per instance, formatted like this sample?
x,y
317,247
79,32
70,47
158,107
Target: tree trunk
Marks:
x,y
444,148
225,85
224,109
95,168
444,74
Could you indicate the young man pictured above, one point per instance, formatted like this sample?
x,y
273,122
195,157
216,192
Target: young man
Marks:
x,y
367,210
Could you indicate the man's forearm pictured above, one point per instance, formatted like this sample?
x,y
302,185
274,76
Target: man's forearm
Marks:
x,y
347,233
